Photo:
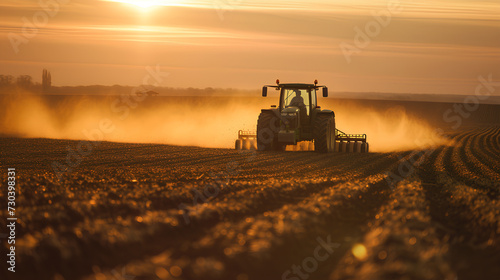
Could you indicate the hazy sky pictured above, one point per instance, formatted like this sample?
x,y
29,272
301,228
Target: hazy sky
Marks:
x,y
437,46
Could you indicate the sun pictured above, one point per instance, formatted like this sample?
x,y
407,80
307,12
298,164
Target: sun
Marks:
x,y
145,4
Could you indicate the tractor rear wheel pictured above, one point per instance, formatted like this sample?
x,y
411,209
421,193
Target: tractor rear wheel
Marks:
x,y
268,127
324,134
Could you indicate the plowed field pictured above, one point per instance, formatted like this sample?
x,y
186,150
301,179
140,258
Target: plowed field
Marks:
x,y
149,211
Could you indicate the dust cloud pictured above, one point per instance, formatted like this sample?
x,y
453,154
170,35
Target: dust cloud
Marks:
x,y
191,121
389,129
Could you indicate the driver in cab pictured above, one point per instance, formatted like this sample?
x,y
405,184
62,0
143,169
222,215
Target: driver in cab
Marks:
x,y
297,101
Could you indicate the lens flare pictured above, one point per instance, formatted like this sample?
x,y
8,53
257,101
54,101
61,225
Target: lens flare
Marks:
x,y
146,3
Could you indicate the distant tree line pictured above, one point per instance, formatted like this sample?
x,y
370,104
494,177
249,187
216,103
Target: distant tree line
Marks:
x,y
22,83
26,82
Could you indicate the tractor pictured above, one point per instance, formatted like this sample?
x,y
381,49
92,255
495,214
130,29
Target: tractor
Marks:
x,y
298,118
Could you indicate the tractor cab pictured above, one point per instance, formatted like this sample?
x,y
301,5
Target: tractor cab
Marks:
x,y
297,109
295,97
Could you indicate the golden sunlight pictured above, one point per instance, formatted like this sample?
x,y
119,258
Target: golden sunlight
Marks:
x,y
147,3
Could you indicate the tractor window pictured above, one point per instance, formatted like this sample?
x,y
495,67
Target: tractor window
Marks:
x,y
296,98
313,98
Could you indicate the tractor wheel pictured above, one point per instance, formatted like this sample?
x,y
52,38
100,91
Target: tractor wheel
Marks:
x,y
324,134
268,127
237,144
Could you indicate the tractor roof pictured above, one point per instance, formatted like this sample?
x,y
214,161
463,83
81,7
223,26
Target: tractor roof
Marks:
x,y
297,85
